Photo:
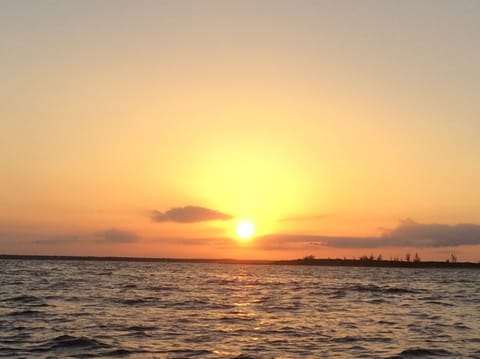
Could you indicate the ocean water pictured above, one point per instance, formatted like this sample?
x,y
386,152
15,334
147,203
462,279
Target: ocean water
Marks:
x,y
81,309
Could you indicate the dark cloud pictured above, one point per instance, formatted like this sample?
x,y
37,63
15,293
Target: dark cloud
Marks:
x,y
114,235
189,214
412,234
407,234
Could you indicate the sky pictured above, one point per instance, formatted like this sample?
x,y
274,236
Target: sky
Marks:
x,y
152,128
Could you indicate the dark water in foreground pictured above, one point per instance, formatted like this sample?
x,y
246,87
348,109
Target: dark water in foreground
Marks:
x,y
52,309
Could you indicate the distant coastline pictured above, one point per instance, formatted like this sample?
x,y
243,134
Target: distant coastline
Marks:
x,y
305,261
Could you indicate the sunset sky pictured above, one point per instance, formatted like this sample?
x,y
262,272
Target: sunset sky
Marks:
x,y
152,128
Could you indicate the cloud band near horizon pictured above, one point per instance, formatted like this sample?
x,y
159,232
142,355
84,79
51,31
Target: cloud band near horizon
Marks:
x,y
407,234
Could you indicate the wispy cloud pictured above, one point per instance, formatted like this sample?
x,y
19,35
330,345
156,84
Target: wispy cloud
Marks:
x,y
407,234
304,218
65,239
190,214
114,235
196,241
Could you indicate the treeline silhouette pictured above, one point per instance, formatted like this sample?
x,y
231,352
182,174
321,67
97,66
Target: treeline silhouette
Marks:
x,y
378,261
364,261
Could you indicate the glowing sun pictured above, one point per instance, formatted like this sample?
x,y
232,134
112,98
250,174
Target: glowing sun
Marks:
x,y
245,229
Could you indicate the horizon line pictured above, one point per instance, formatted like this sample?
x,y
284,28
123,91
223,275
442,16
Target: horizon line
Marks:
x,y
307,260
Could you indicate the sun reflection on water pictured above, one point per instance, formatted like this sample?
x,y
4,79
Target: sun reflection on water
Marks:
x,y
202,310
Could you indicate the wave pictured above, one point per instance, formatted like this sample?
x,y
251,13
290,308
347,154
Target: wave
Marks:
x,y
372,288
422,352
138,328
187,353
122,353
26,299
70,342
135,301
27,312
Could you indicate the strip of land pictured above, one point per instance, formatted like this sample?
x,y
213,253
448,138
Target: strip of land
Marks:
x,y
305,261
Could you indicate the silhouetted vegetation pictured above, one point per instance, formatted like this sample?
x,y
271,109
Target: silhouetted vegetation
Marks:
x,y
416,259
453,258
377,261
363,261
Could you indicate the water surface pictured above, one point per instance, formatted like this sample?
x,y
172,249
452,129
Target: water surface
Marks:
x,y
51,309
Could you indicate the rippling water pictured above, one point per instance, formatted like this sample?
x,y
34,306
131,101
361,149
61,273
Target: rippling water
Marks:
x,y
181,310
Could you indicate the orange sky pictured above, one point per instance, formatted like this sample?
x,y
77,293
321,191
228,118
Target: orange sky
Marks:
x,y
337,128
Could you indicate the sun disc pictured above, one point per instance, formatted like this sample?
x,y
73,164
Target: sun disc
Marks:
x,y
245,229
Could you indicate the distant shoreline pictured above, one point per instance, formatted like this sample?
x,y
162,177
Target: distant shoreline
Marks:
x,y
305,261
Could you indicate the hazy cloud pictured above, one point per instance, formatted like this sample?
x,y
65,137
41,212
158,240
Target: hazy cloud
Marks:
x,y
189,214
407,234
280,241
412,234
304,218
197,241
65,239
114,235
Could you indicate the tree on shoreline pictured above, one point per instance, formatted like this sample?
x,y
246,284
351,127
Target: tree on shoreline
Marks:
x,y
416,258
453,258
